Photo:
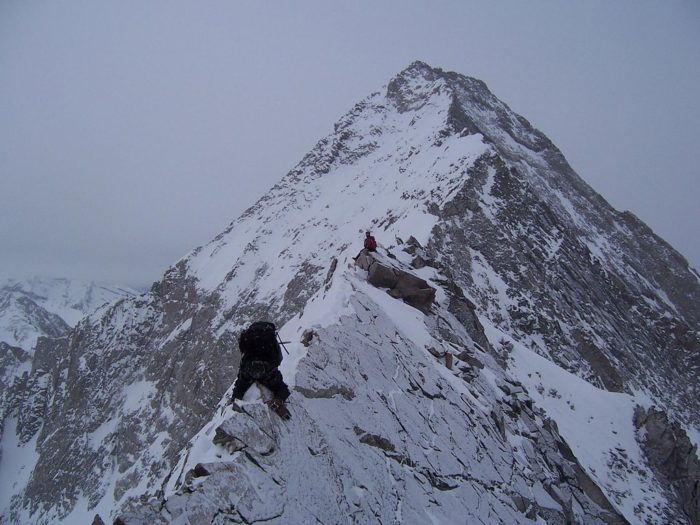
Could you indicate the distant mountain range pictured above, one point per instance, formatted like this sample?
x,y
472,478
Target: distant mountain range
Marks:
x,y
39,306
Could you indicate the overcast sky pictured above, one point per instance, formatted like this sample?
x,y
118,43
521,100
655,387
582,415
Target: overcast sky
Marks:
x,y
131,131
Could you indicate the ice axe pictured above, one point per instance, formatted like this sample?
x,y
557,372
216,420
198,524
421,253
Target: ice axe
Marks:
x,y
282,343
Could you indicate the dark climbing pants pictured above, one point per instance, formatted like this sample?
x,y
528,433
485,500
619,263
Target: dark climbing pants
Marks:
x,y
264,373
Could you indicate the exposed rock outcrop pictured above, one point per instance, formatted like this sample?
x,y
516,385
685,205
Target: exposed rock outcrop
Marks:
x,y
673,457
401,284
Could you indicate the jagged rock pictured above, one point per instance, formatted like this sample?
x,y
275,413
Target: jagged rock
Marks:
x,y
11,356
374,440
419,262
500,425
364,260
420,258
407,281
435,352
331,270
420,298
470,359
412,246
448,361
326,393
224,439
503,386
600,364
464,310
143,515
382,276
298,290
673,457
402,285
201,470
252,433
307,337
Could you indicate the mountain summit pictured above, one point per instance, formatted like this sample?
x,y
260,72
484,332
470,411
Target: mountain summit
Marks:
x,y
551,377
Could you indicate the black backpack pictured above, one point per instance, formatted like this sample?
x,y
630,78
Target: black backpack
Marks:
x,y
259,342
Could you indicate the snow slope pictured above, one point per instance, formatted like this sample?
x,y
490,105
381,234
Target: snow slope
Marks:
x,y
385,186
598,426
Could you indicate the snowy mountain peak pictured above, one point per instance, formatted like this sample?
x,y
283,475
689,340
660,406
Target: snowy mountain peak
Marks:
x,y
512,398
414,86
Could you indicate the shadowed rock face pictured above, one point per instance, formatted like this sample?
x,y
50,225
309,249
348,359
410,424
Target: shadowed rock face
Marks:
x,y
10,358
673,457
146,370
149,366
599,363
600,313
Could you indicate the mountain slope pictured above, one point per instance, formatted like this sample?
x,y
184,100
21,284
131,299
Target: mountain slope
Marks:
x,y
35,314
382,429
48,307
512,240
70,299
22,321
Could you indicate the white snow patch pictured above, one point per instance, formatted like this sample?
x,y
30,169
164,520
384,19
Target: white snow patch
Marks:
x,y
694,435
97,437
181,328
597,425
137,394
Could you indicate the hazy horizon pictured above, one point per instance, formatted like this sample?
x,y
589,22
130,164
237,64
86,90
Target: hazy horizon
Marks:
x,y
132,133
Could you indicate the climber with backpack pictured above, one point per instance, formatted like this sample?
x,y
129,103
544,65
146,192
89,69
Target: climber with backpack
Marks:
x,y
261,356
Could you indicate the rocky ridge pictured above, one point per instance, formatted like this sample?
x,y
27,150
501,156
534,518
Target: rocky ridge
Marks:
x,y
370,392
511,239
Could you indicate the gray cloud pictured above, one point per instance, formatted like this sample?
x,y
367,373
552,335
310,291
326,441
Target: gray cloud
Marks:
x,y
132,132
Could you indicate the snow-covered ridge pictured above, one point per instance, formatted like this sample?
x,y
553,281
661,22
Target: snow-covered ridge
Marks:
x,y
511,239
376,417
387,186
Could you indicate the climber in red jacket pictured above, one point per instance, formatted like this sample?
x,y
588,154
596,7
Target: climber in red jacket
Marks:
x,y
370,242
